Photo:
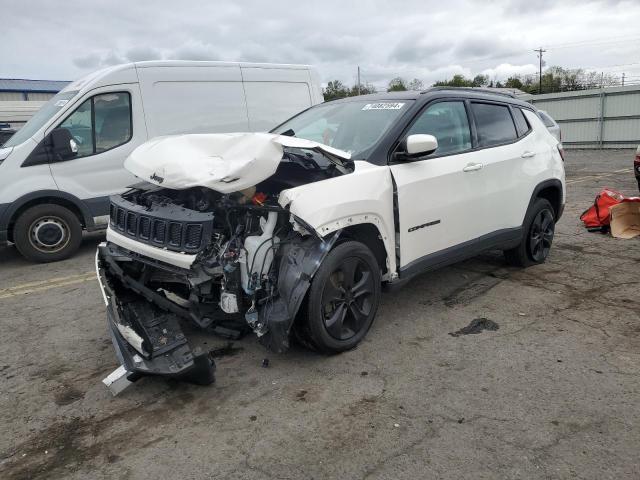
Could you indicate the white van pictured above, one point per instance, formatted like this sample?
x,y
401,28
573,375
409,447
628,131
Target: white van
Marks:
x,y
58,171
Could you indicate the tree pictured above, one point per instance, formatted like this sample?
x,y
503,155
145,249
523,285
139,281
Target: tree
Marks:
x,y
513,82
559,79
365,89
480,80
456,81
397,84
335,89
415,84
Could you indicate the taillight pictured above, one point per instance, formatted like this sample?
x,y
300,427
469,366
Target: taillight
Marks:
x,y
561,151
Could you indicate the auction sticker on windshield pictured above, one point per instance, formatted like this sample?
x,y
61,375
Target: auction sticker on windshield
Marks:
x,y
383,106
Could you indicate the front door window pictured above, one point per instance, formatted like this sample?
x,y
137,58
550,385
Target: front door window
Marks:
x,y
101,123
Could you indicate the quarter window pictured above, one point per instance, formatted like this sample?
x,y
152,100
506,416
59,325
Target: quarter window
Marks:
x,y
447,121
494,124
546,119
101,123
522,126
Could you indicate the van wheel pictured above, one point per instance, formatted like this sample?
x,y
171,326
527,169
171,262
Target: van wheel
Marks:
x,y
343,299
47,233
539,228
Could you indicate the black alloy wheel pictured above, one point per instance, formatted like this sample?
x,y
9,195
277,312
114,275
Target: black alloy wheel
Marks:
x,y
538,229
347,298
541,235
342,301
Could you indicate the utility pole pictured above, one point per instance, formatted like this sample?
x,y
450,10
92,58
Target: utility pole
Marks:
x,y
358,79
540,52
623,79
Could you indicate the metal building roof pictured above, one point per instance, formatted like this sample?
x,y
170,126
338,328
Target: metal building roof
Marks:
x,y
23,85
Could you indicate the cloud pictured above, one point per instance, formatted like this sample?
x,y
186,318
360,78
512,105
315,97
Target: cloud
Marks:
x,y
99,59
334,48
87,62
194,50
138,54
417,47
486,46
506,70
425,39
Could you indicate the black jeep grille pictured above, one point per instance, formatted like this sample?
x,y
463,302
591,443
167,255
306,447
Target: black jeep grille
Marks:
x,y
165,226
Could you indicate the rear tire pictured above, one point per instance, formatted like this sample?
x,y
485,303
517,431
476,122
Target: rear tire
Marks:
x,y
342,300
537,236
47,233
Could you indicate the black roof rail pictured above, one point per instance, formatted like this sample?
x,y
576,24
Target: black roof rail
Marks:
x,y
473,89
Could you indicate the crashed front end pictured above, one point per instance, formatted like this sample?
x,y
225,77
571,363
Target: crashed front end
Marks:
x,y
188,255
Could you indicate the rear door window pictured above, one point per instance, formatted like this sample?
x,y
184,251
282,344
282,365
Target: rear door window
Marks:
x,y
494,124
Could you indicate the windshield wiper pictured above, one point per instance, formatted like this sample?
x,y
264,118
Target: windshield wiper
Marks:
x,y
289,133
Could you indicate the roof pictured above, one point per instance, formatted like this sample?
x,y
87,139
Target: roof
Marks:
x,y
429,93
24,85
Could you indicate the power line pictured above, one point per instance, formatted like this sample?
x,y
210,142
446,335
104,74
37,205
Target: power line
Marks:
x,y
622,39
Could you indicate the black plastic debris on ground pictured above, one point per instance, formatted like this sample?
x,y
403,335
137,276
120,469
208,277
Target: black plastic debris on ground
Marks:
x,y
476,326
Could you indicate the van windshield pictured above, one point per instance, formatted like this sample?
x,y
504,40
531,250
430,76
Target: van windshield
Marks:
x,y
354,126
41,117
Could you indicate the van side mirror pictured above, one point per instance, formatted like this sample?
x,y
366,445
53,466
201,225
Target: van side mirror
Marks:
x,y
419,145
62,143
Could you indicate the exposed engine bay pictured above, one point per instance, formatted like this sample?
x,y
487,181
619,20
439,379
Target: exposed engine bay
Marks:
x,y
224,263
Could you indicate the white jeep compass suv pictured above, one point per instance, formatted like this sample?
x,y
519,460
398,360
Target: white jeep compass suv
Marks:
x,y
294,231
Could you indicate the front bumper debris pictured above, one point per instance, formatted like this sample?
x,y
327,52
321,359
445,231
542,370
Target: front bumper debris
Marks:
x,y
147,339
117,380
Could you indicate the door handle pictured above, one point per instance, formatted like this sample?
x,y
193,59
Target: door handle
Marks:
x,y
473,167
528,154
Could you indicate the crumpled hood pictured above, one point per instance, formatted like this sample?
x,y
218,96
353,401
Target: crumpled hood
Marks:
x,y
225,162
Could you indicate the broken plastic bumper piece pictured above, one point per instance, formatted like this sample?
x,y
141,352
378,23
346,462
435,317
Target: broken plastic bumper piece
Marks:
x,y
147,339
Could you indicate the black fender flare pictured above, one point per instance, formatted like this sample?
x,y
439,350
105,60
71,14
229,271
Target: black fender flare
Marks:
x,y
554,183
299,262
16,205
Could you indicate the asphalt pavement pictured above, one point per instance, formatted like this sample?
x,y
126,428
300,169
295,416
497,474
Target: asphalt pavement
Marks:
x,y
550,389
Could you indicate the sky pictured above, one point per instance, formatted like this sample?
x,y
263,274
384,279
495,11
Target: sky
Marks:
x,y
424,39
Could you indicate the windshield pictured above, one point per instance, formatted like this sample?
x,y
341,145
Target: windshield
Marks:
x,y
41,117
355,127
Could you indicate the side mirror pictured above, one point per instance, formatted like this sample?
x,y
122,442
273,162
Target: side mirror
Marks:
x,y
419,145
63,145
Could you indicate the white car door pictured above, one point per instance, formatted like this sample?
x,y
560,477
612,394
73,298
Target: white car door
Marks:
x,y
506,148
441,197
107,125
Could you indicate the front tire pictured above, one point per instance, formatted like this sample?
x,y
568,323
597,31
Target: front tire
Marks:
x,y
539,229
343,299
47,233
